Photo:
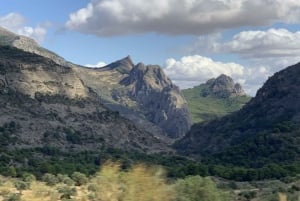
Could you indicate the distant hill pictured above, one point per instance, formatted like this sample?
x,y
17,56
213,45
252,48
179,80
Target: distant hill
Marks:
x,y
215,98
266,130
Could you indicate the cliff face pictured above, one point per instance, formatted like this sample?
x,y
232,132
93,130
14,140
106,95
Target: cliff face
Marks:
x,y
141,93
160,101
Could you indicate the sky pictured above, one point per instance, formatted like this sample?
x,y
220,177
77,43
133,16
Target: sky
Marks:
x,y
193,40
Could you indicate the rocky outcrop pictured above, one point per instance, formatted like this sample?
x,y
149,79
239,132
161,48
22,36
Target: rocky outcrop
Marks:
x,y
160,100
143,94
224,87
216,98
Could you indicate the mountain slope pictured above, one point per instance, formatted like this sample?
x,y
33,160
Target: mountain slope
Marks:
x,y
46,104
149,99
265,130
215,98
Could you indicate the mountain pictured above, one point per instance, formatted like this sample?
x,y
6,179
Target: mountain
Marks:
x,y
215,98
44,104
265,130
140,93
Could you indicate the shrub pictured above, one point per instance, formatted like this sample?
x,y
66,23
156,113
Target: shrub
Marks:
x,y
196,188
79,178
66,192
50,179
21,185
12,197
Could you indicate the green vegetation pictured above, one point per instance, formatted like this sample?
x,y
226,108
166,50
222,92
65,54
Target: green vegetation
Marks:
x,y
44,163
204,108
138,183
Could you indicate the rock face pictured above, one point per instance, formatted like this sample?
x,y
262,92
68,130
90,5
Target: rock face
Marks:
x,y
142,94
45,104
160,100
266,128
224,87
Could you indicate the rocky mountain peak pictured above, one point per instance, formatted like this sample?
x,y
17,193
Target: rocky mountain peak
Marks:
x,y
123,66
26,44
224,86
161,101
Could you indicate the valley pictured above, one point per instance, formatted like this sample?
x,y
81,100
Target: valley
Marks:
x,y
59,118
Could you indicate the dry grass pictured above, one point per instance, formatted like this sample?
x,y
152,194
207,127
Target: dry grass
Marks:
x,y
282,197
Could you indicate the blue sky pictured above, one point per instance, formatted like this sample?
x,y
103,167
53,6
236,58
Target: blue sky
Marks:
x,y
193,40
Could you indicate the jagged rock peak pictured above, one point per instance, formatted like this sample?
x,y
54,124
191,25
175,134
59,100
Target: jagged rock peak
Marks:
x,y
224,86
151,76
159,98
124,65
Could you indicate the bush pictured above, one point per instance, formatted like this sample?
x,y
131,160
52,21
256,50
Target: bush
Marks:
x,y
50,179
66,192
79,178
21,185
27,177
65,179
12,197
196,188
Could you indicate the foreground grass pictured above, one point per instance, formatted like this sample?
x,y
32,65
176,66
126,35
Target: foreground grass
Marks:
x,y
111,183
141,183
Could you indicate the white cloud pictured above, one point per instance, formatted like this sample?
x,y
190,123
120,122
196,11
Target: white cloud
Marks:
x,y
17,24
194,70
98,65
263,52
175,17
267,44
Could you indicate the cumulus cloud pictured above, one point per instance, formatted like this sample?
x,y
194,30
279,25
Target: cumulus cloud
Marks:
x,y
175,17
264,52
267,44
17,24
98,65
194,70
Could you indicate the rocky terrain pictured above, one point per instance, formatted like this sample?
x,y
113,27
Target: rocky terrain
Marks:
x,y
46,104
265,130
216,98
139,93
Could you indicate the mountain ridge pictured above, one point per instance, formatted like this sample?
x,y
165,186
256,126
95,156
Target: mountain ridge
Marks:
x,y
265,129
106,82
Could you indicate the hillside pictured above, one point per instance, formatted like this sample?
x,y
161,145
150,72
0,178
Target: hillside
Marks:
x,y
52,122
265,130
215,98
141,93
